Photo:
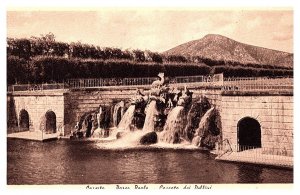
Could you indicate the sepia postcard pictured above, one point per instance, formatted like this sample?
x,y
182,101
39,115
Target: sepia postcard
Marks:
x,y
150,98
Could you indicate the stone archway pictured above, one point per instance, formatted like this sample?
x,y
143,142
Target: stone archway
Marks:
x,y
23,120
248,134
50,126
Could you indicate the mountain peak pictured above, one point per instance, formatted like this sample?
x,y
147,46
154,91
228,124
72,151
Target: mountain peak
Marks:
x,y
219,47
213,36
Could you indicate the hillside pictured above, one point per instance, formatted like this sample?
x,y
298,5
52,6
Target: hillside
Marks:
x,y
217,47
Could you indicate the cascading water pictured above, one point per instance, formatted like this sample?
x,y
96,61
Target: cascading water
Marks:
x,y
174,127
151,114
130,139
163,125
126,121
203,126
118,112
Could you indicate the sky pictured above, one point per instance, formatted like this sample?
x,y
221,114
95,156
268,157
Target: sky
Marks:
x,y
156,29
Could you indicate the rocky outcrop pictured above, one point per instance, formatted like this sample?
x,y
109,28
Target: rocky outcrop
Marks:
x,y
209,130
149,138
198,109
120,134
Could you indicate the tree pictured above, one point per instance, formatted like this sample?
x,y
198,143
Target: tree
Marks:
x,y
154,56
44,44
139,55
17,70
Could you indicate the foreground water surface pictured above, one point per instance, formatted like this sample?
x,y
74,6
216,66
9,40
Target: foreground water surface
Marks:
x,y
74,162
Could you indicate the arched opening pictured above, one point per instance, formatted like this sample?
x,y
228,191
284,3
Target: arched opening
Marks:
x,y
50,122
24,120
249,134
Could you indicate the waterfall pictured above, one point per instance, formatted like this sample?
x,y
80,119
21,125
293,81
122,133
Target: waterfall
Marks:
x,y
203,127
99,117
127,118
118,112
151,113
174,127
115,115
131,139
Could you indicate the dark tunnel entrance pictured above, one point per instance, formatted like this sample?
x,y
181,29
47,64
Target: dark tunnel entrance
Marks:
x,y
24,121
50,122
249,134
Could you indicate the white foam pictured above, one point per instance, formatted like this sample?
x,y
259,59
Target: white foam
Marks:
x,y
151,113
127,118
131,140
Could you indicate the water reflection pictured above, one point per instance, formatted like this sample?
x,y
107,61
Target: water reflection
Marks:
x,y
67,162
249,174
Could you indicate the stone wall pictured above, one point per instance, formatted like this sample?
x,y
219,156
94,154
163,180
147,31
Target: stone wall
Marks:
x,y
274,113
213,95
79,102
36,104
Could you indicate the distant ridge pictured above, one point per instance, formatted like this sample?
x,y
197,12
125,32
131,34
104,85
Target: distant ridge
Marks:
x,y
218,47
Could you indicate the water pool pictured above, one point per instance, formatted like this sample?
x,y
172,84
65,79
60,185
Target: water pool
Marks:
x,y
75,162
